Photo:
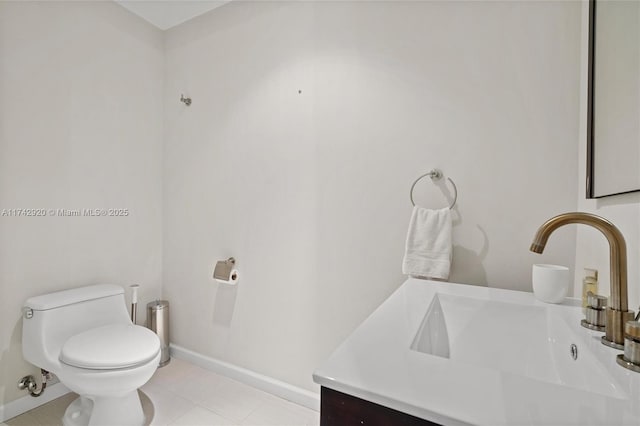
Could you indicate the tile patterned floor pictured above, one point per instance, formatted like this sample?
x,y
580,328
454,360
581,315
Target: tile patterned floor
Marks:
x,y
184,394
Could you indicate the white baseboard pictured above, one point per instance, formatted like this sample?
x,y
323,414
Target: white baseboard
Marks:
x,y
268,384
21,405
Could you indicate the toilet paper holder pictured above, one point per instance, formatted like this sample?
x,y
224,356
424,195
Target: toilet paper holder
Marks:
x,y
225,270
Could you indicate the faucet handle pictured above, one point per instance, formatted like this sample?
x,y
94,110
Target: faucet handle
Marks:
x,y
596,301
595,312
631,357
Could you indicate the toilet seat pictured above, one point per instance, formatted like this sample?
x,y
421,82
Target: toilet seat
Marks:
x,y
111,347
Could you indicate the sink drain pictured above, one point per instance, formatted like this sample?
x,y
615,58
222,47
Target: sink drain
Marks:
x,y
574,351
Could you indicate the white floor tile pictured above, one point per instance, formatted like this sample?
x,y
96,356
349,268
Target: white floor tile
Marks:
x,y
234,400
173,372
51,413
197,385
167,406
280,413
199,416
26,419
314,418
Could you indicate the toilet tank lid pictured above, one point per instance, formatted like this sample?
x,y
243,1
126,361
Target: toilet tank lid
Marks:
x,y
74,295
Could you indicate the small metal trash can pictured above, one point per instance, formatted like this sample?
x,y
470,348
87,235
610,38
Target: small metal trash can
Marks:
x,y
158,322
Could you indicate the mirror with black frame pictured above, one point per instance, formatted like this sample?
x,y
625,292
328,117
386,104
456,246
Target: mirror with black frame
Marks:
x,y
613,154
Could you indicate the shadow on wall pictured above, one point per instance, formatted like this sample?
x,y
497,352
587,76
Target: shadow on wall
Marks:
x,y
472,270
225,302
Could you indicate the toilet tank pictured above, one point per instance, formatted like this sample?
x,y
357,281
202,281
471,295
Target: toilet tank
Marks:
x,y
50,319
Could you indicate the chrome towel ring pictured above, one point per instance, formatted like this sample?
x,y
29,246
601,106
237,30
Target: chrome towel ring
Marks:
x,y
435,174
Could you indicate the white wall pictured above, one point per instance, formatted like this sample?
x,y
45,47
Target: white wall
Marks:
x,y
310,121
80,127
592,249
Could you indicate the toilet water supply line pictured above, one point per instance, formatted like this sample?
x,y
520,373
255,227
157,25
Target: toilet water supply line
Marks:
x,y
29,383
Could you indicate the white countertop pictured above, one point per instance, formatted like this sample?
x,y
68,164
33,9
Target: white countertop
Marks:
x,y
377,364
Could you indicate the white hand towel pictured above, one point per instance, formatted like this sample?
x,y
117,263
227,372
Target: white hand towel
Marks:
x,y
428,249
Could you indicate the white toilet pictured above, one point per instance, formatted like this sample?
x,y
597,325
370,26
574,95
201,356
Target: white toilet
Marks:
x,y
86,338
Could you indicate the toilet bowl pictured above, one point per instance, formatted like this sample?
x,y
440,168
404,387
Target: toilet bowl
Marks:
x,y
85,337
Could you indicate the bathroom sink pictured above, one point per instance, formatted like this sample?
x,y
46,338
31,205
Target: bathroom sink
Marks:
x,y
532,341
455,354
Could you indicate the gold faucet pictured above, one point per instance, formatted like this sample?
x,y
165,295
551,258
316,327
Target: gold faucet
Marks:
x,y
617,312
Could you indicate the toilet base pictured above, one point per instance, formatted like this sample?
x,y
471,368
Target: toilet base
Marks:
x,y
125,410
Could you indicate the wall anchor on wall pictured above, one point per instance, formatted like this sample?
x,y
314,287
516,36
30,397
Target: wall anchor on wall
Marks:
x,y
187,101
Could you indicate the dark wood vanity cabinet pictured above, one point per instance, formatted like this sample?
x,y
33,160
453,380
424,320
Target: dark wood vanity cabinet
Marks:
x,y
341,409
